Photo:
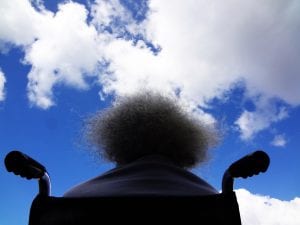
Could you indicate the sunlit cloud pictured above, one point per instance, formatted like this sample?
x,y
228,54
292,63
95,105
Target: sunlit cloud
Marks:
x,y
266,113
66,51
19,22
258,209
279,140
2,85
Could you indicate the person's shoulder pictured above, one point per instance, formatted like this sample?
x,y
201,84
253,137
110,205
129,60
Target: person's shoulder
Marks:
x,y
164,168
145,170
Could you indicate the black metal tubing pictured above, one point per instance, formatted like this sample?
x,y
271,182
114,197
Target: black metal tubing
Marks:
x,y
45,185
227,182
248,166
26,167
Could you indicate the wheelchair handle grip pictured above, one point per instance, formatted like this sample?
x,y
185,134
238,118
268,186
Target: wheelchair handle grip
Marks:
x,y
21,164
250,165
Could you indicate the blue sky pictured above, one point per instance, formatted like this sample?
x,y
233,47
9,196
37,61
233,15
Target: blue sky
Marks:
x,y
62,61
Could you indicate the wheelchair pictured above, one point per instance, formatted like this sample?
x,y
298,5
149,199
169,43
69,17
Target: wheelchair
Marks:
x,y
221,208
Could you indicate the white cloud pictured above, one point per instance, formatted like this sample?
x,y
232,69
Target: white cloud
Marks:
x,y
61,47
266,113
2,85
279,141
219,48
206,48
104,12
264,210
66,51
19,22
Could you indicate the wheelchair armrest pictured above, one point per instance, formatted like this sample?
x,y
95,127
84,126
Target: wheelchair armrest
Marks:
x,y
247,166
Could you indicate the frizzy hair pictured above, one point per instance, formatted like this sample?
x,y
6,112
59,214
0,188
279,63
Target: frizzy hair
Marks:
x,y
149,123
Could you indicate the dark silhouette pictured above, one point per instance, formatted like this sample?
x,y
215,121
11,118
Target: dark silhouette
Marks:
x,y
153,142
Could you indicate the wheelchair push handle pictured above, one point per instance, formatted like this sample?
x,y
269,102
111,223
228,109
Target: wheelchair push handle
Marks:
x,y
247,166
21,164
250,165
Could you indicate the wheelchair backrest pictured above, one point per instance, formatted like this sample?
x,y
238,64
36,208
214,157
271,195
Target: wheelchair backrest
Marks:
x,y
212,210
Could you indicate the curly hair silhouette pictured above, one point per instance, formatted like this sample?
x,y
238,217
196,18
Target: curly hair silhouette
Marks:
x,y
149,123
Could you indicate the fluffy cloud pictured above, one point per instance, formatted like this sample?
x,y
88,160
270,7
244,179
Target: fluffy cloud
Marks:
x,y
66,51
206,48
279,141
19,22
264,210
206,51
2,83
265,114
61,47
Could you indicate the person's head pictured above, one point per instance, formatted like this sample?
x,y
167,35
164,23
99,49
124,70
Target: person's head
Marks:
x,y
146,124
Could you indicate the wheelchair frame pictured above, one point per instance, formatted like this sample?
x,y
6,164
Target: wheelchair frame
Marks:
x,y
218,209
